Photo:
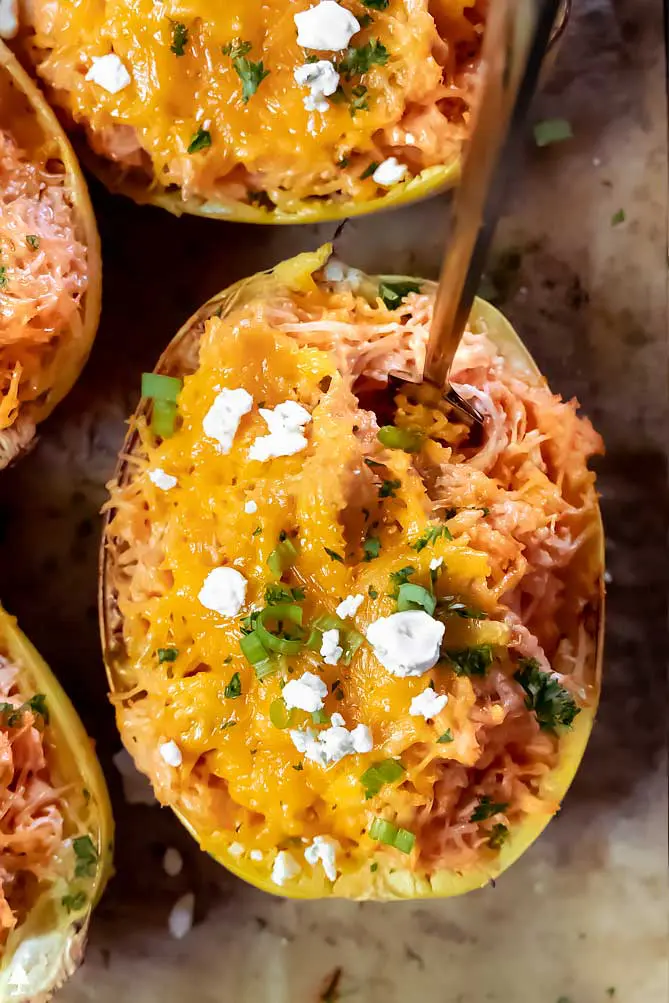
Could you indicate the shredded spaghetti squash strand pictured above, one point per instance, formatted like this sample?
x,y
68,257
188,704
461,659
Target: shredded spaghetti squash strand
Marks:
x,y
498,533
414,104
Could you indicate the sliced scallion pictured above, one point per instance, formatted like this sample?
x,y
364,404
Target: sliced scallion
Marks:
x,y
165,388
392,835
412,596
408,439
282,557
163,418
379,774
279,714
270,641
253,649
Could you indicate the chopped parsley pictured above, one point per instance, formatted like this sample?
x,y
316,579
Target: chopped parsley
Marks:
x,y
14,715
486,808
371,547
32,240
200,140
376,4
74,902
251,74
431,535
401,577
234,687
554,706
179,38
393,293
470,661
445,738
3,277
167,655
359,59
276,594
618,217
372,593
86,855
333,555
367,173
388,488
498,836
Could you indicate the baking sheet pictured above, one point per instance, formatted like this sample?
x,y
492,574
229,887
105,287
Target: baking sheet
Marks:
x,y
583,916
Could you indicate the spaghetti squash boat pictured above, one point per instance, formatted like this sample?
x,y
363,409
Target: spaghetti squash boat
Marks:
x,y
356,652
49,261
284,112
55,825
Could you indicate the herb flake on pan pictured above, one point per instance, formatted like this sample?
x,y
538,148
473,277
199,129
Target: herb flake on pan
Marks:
x,y
14,715
618,217
470,661
251,74
179,38
486,808
393,293
552,130
86,856
360,59
200,140
554,706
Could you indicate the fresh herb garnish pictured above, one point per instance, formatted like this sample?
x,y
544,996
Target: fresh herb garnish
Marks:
x,y
379,774
445,738
408,439
411,596
200,140
333,555
33,241
14,715
498,835
486,808
470,661
400,577
360,59
251,74
358,99
74,902
167,655
374,867
234,687
371,547
388,489
367,173
430,536
372,593
618,217
376,4
552,130
275,594
365,20
179,38
554,706
449,604
86,855
3,277
393,293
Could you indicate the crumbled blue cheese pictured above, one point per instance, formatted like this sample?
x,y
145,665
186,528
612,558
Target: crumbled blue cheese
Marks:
x,y
223,417
332,744
180,920
251,507
171,753
9,18
173,862
256,856
389,172
109,73
306,693
331,650
162,480
428,704
407,643
223,591
349,606
286,432
322,80
236,850
327,26
336,271
323,849
284,868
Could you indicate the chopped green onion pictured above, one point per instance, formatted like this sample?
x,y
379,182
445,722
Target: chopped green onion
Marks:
x,y
379,774
408,439
167,655
449,604
393,293
282,557
163,418
279,714
412,596
254,651
286,646
165,388
234,687
320,717
275,594
391,834
552,130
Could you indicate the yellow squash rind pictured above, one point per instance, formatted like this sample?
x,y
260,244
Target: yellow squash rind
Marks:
x,y
389,881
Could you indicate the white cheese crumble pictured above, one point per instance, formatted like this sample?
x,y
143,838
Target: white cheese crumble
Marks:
x,y
250,507
284,868
337,271
180,920
256,855
333,743
9,18
389,172
223,591
428,704
286,426
306,693
435,563
407,643
223,417
236,850
109,73
322,80
136,787
331,650
323,848
171,753
326,26
162,480
173,862
349,606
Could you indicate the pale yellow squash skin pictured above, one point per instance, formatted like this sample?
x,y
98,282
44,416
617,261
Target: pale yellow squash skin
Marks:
x,y
49,945
390,881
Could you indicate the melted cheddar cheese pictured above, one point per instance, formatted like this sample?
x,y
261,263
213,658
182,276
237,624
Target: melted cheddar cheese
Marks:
x,y
434,517
267,149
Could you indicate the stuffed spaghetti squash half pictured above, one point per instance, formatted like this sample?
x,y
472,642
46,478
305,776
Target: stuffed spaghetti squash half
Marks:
x,y
49,261
356,652
55,825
